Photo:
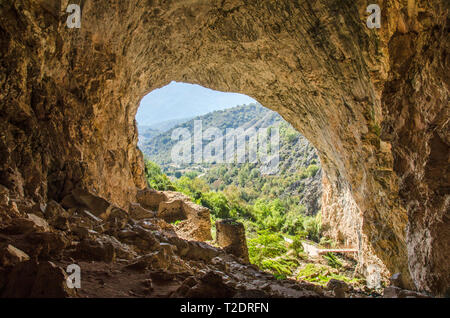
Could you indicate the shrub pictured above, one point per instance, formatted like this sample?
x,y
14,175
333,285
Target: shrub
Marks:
x,y
291,136
327,242
191,174
269,214
192,187
296,244
217,203
293,220
312,170
156,178
312,225
266,245
309,172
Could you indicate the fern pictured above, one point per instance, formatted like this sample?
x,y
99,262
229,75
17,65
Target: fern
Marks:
x,y
333,261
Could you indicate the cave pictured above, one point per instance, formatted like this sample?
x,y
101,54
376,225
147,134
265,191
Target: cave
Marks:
x,y
374,102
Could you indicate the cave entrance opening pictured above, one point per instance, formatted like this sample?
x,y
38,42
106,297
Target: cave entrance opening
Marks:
x,y
271,182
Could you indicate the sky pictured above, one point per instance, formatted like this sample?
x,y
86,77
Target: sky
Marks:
x,y
181,100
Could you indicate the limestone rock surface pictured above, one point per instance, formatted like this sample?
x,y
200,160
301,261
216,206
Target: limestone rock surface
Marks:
x,y
374,102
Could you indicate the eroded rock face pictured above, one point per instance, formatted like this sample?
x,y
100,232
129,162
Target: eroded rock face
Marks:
x,y
373,102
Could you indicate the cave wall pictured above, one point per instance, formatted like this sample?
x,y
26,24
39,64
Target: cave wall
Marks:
x,y
415,103
373,102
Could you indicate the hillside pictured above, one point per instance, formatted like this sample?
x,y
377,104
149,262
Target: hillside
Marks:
x,y
147,132
297,183
158,149
274,209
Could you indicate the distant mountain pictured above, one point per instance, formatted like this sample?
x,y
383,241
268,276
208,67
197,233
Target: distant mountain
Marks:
x,y
168,124
181,100
148,132
158,149
299,175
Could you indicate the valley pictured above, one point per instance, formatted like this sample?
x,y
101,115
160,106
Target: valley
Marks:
x,y
280,212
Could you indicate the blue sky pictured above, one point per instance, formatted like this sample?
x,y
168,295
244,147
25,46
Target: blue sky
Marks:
x,y
181,100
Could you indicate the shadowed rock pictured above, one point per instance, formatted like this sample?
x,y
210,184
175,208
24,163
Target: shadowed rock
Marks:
x,y
231,237
37,280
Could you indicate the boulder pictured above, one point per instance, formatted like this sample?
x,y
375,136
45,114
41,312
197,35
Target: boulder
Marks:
x,y
37,209
116,220
150,199
39,222
144,240
102,248
96,205
171,210
24,225
61,223
84,233
338,287
396,292
211,285
37,280
9,211
201,251
10,255
122,251
221,264
53,210
182,246
231,237
137,212
83,223
95,250
4,196
57,216
46,245
91,217
159,260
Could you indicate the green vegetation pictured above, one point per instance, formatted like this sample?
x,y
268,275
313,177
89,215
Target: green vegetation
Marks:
x,y
273,208
269,224
309,172
276,215
268,250
321,274
267,221
333,261
155,178
159,147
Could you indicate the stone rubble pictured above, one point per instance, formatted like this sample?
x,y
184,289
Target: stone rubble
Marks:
x,y
136,254
89,231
